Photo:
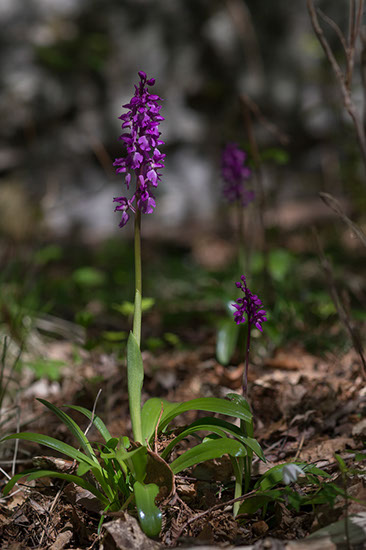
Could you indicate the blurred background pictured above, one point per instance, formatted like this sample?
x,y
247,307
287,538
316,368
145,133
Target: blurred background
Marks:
x,y
66,69
67,66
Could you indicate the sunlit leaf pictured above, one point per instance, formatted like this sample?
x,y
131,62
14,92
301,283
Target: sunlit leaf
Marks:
x,y
149,514
207,451
219,427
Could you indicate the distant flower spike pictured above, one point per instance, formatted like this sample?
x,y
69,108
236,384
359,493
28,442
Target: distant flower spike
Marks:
x,y
250,305
235,173
249,308
142,140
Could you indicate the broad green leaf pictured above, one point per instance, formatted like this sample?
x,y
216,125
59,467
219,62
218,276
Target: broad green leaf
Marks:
x,y
219,427
98,423
54,444
150,415
149,514
227,337
36,474
246,428
73,427
207,451
135,378
208,404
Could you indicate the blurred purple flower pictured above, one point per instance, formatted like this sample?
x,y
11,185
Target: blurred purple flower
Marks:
x,y
143,156
250,306
234,174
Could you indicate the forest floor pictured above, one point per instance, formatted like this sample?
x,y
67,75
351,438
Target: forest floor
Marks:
x,y
308,407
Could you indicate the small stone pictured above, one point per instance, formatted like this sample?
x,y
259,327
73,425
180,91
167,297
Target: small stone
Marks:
x,y
260,528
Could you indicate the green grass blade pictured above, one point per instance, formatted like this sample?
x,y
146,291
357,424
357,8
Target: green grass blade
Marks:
x,y
52,443
214,448
36,474
73,427
98,423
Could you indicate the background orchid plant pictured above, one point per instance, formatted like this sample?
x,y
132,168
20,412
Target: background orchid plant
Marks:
x,y
123,473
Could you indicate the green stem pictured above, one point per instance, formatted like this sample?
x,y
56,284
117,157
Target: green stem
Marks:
x,y
237,464
138,280
245,381
241,259
135,369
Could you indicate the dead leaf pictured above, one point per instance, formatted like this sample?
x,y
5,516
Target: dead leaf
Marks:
x,y
126,534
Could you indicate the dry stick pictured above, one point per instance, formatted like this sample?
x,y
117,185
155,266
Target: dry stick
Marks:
x,y
344,82
281,136
301,444
341,310
336,207
59,492
212,509
258,175
242,20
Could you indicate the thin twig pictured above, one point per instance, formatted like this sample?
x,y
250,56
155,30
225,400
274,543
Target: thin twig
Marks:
x,y
16,446
258,174
342,312
336,29
327,49
336,207
344,80
93,412
156,429
299,447
272,128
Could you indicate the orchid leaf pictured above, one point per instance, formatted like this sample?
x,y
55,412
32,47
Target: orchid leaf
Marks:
x,y
227,337
153,408
150,415
98,423
219,427
208,404
213,448
149,514
73,427
36,474
54,444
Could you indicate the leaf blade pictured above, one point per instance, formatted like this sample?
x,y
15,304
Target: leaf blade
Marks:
x,y
206,451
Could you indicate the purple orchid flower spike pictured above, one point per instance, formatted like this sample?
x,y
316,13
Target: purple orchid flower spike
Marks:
x,y
250,309
235,174
142,141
